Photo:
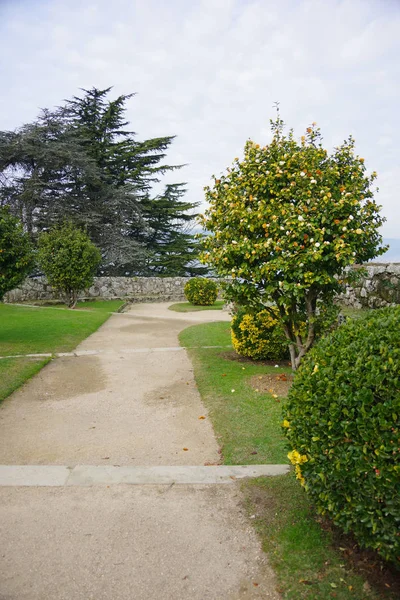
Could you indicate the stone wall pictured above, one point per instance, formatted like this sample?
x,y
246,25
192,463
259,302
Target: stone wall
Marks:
x,y
380,287
136,289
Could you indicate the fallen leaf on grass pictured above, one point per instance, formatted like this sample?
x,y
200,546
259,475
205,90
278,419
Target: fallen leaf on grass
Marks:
x,y
254,452
255,584
223,375
333,585
307,581
185,449
202,417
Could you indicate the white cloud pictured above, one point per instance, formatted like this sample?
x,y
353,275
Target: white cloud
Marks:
x,y
210,71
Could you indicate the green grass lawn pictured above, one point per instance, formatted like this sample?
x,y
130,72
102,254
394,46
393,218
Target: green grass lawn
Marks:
x,y
188,307
309,566
207,334
246,422
25,330
15,371
353,313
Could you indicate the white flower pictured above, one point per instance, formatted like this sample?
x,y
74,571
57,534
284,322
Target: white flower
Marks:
x,y
312,239
313,181
267,172
232,391
288,233
234,242
301,218
344,228
301,265
281,162
326,243
276,366
302,174
281,228
351,217
354,253
317,244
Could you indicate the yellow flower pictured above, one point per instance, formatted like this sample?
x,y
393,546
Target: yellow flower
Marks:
x,y
359,231
296,458
299,475
285,423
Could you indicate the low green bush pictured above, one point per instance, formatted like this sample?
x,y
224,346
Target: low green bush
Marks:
x,y
258,336
342,423
200,291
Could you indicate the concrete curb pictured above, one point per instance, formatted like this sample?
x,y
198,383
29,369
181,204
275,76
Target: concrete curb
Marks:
x,y
86,475
78,353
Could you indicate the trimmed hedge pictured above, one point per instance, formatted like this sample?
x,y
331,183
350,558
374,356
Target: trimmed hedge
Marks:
x,y
200,291
342,421
258,336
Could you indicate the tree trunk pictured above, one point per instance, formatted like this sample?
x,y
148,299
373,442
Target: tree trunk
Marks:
x,y
73,298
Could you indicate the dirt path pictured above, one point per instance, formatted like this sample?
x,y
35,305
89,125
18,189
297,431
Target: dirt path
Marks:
x,y
133,403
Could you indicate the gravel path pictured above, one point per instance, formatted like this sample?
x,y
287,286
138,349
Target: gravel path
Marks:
x,y
129,408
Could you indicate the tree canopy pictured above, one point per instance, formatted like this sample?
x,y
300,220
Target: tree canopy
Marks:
x,y
286,221
80,162
16,258
69,260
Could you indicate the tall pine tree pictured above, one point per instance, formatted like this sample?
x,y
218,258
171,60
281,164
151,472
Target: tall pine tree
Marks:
x,y
172,248
80,162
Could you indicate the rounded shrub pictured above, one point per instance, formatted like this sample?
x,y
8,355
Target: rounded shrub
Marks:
x,y
342,422
201,291
258,336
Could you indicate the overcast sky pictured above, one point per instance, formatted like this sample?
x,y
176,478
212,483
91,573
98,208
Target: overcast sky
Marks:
x,y
209,71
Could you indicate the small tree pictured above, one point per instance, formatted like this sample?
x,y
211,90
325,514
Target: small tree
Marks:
x,y
286,221
69,260
16,258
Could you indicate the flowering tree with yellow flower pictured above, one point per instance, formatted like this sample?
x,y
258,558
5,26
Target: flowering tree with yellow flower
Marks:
x,y
284,224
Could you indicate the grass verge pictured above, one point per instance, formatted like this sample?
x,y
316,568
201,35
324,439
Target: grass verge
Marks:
x,y
245,420
26,330
189,307
207,334
309,563
15,371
